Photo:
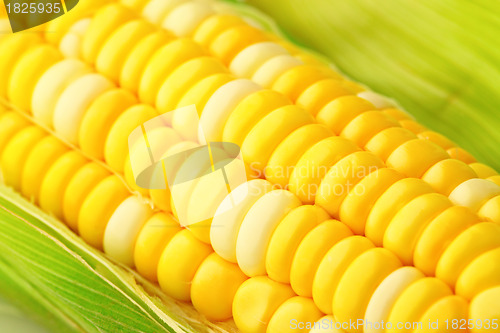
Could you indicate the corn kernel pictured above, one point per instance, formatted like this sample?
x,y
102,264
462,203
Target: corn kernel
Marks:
x,y
294,310
104,23
230,216
178,264
474,193
256,301
311,251
439,234
260,143
485,307
56,180
341,111
99,119
96,210
214,287
446,175
51,85
315,163
413,158
74,102
360,281
28,69
123,228
385,296
470,244
246,63
15,153
357,204
481,274
405,229
389,203
257,228
448,309
151,241
113,53
40,159
249,111
333,266
342,177
416,300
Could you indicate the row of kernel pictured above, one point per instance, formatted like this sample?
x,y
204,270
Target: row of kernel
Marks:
x,y
130,233
318,93
440,168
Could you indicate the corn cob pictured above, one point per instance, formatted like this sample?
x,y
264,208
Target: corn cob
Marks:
x,y
197,251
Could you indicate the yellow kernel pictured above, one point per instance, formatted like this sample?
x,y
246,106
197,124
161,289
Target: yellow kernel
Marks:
x,y
293,82
389,203
416,300
25,74
413,158
386,294
104,23
232,40
257,228
483,170
116,145
365,126
311,251
316,96
439,234
360,281
135,64
315,163
99,119
117,47
287,238
97,209
333,266
40,159
152,240
178,264
341,111
342,177
294,310
485,308
386,141
249,111
15,153
405,229
470,244
287,154
357,204
446,175
256,301
123,228
56,180
184,77
260,142
214,287
162,63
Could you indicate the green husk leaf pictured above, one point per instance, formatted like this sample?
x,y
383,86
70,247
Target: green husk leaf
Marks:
x,y
68,286
438,59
